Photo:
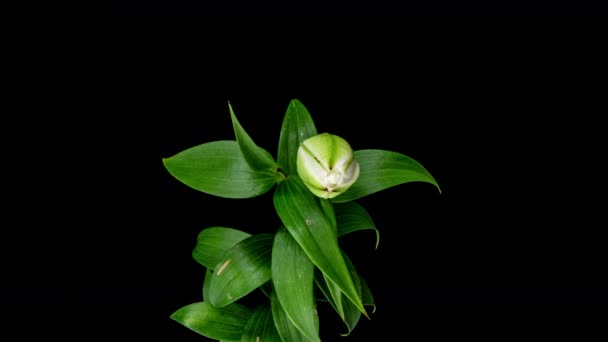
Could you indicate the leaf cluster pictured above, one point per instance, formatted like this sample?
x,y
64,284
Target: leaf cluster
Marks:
x,y
299,265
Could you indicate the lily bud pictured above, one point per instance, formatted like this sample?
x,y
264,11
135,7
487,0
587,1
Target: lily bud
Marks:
x,y
327,165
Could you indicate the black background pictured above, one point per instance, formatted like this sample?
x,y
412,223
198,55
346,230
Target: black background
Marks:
x,y
507,126
357,7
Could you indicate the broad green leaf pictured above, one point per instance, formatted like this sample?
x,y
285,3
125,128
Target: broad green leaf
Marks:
x,y
206,283
260,327
292,277
257,157
243,269
297,127
351,217
381,170
303,217
285,327
225,323
218,168
214,242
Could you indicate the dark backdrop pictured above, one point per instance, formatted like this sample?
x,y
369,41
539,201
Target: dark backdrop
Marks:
x,y
356,7
512,226
509,129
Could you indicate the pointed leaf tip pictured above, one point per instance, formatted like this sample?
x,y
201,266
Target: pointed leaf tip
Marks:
x,y
381,170
256,157
220,324
297,127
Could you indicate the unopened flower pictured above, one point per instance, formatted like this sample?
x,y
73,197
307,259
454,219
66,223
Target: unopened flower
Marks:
x,y
327,165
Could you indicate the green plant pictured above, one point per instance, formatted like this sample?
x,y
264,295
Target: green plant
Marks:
x,y
317,177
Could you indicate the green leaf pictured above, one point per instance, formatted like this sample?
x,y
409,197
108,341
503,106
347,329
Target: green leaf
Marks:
x,y
342,305
366,295
351,217
206,283
349,314
225,323
297,127
257,157
330,290
218,168
243,269
285,327
335,295
328,209
292,277
381,170
353,271
214,242
260,327
303,217
324,289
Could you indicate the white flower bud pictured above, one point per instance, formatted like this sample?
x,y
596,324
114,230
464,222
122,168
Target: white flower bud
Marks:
x,y
326,165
